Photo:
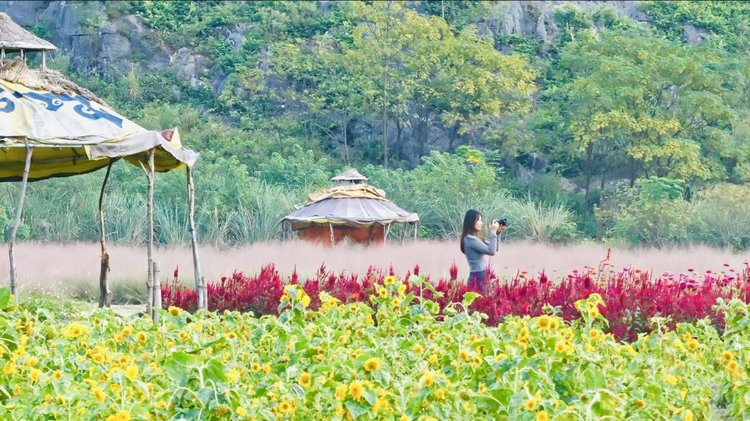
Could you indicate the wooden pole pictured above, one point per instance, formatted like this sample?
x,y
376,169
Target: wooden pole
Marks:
x,y
403,233
14,229
205,293
416,230
330,227
150,250
105,295
44,60
2,56
200,286
157,293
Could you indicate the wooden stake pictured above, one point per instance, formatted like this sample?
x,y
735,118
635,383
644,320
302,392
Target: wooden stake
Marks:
x,y
205,293
105,295
14,229
150,249
200,287
157,293
330,227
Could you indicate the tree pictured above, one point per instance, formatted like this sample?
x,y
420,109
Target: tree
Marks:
x,y
654,103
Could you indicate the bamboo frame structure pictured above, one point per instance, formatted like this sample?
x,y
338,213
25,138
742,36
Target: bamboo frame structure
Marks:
x,y
105,295
17,221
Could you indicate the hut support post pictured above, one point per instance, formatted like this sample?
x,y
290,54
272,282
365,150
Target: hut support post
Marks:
x,y
387,229
17,221
105,295
330,227
416,230
157,293
403,233
150,244
2,56
44,60
200,286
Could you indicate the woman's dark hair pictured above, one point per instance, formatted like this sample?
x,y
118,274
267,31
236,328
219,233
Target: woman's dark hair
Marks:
x,y
470,220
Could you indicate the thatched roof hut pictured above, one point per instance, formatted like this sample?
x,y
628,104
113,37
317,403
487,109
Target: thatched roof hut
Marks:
x,y
51,127
351,210
14,38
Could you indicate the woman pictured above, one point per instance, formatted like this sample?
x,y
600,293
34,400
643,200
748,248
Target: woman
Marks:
x,y
476,248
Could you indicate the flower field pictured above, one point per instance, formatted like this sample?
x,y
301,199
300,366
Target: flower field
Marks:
x,y
632,297
393,355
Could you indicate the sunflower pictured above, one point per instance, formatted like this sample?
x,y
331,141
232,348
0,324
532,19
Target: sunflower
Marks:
x,y
175,311
356,390
542,416
98,393
373,364
305,379
544,322
340,393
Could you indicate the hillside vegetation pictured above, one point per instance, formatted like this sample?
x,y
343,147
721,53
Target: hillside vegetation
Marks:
x,y
595,126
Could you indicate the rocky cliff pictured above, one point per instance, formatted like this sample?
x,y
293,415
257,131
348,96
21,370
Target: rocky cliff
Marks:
x,y
111,48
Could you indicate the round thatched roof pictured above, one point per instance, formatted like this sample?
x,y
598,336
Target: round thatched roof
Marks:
x,y
13,37
351,175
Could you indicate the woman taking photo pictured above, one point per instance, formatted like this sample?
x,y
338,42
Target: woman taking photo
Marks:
x,y
476,248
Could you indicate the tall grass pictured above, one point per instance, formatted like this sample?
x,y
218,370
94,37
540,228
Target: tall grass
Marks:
x,y
536,221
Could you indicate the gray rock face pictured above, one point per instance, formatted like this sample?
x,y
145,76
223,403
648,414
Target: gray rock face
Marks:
x,y
188,66
24,13
537,18
693,34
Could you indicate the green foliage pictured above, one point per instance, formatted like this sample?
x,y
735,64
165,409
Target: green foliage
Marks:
x,y
653,213
721,18
300,169
41,29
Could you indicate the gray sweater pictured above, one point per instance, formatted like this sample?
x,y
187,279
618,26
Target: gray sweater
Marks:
x,y
477,251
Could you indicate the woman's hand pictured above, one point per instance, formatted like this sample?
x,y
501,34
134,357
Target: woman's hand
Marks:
x,y
495,226
501,228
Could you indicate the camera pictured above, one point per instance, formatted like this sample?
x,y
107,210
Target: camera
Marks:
x,y
502,222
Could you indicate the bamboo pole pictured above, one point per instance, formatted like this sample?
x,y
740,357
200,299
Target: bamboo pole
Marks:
x,y
205,293
105,295
200,286
150,246
44,60
387,230
403,233
17,221
157,293
330,227
416,230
